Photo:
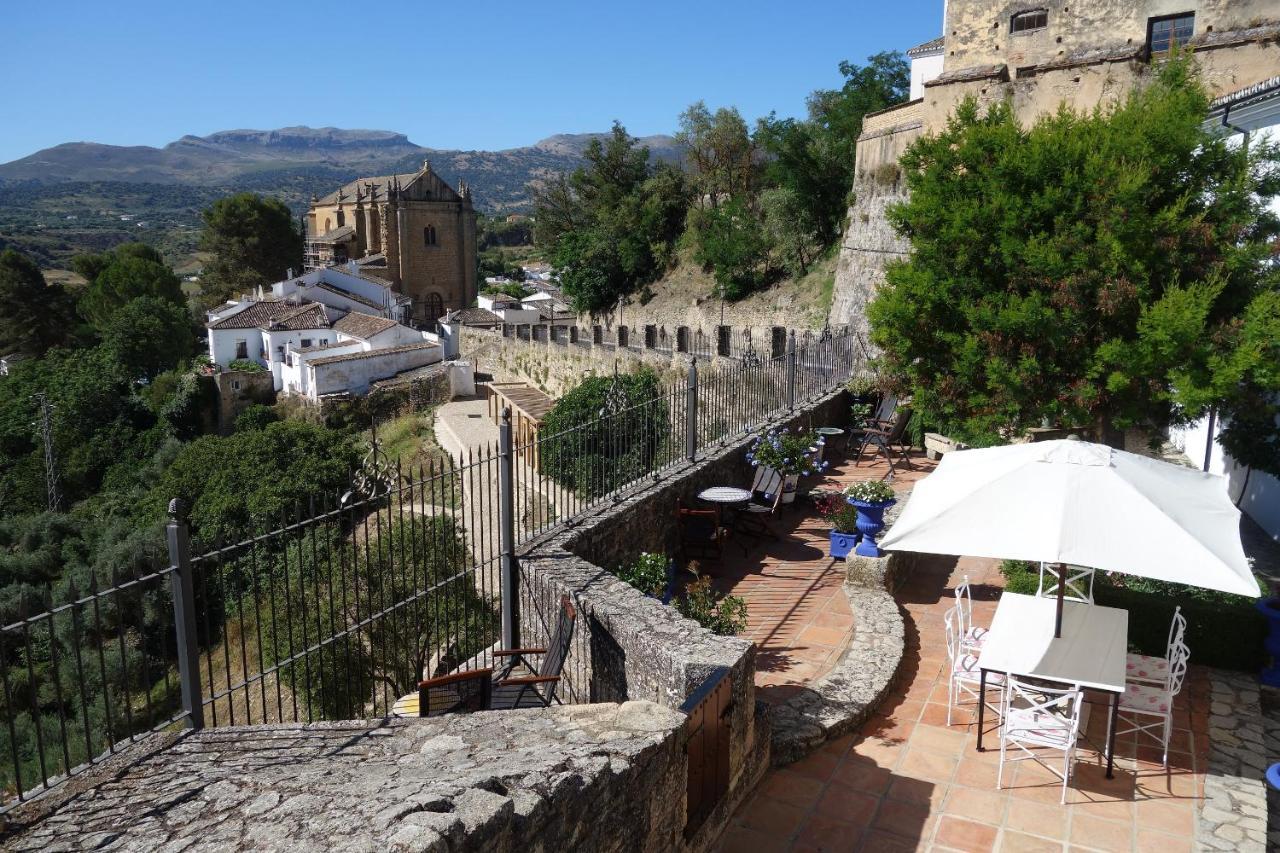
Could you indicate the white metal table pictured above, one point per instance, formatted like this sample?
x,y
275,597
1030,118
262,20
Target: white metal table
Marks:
x,y
1090,653
726,496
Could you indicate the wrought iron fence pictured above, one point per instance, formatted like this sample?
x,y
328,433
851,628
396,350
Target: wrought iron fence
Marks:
x,y
338,607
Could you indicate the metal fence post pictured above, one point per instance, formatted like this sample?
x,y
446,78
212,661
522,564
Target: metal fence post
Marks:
x,y
509,576
791,370
184,615
691,412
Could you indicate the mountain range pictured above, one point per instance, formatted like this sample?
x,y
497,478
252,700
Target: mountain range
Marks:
x,y
295,161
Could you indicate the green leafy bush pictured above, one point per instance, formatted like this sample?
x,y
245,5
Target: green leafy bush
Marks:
x,y
584,447
724,615
647,573
1222,630
246,365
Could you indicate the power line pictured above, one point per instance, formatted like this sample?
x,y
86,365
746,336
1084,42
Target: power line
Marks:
x,y
50,460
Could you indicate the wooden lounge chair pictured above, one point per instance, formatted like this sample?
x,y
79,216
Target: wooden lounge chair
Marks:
x,y
756,517
538,689
700,532
886,436
507,687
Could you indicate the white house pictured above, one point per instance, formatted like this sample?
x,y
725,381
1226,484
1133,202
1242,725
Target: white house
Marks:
x,y
322,333
1251,114
926,64
509,308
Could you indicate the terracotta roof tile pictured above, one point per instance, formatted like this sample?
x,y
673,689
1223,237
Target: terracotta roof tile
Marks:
x,y
363,326
277,315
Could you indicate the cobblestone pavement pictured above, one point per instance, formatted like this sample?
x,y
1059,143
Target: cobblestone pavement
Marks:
x,y
908,781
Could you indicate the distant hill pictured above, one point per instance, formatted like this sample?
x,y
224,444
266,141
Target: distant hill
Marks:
x,y
84,196
293,159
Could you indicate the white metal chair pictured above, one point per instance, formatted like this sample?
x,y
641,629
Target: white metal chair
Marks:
x,y
1038,717
1141,699
965,678
1154,670
1079,583
971,636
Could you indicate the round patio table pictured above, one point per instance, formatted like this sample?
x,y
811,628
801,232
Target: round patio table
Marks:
x,y
831,434
727,495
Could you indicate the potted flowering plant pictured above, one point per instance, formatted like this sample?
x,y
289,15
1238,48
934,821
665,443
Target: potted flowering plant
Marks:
x,y
843,518
871,499
792,455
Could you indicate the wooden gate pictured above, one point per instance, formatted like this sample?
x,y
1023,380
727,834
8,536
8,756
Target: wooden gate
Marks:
x,y
707,746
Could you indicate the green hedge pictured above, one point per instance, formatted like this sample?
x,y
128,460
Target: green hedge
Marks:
x,y
1223,630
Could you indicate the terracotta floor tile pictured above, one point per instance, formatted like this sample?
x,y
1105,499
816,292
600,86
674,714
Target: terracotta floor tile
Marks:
x,y
740,839
844,803
791,787
1149,841
822,834
973,773
942,741
981,806
1018,842
967,835
930,766
1049,820
1100,834
773,817
863,774
907,820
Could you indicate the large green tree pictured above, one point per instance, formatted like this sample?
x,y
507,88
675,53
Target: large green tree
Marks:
x,y
252,241
127,276
149,335
611,225
718,152
1112,269
34,315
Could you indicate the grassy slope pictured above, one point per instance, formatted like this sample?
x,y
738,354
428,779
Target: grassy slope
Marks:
x,y
685,296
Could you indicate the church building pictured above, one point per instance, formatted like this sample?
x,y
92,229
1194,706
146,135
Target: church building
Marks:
x,y
412,230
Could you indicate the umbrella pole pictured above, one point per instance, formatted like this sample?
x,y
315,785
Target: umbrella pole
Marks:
x,y
1062,588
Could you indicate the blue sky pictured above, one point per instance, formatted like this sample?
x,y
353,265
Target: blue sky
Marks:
x,y
449,75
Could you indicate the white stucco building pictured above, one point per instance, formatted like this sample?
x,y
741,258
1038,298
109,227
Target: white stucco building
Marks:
x,y
326,332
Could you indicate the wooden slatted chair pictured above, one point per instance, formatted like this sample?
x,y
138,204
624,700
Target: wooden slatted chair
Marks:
x,y
506,688
700,532
755,518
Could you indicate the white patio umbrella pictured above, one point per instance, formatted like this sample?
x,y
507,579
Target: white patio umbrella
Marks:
x,y
1073,502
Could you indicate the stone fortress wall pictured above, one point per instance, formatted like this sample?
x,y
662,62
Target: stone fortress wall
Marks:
x,y
1091,52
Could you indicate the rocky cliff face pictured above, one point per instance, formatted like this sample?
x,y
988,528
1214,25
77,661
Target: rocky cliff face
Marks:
x,y
869,243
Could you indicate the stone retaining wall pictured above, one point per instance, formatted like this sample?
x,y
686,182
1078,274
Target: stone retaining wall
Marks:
x,y
845,697
630,646
589,777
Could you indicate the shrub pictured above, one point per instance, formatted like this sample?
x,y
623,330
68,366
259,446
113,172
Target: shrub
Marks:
x,y
837,512
647,573
246,365
786,452
723,615
1222,630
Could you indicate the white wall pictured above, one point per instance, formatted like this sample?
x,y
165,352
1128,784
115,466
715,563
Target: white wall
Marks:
x,y
1255,492
354,376
924,69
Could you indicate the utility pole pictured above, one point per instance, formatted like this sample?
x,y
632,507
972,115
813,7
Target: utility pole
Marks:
x,y
50,460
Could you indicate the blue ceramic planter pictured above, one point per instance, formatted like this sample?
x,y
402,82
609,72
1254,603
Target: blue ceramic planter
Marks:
x,y
1270,608
870,523
842,544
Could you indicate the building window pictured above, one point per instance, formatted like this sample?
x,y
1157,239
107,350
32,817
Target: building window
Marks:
x,y
1033,19
328,225
1164,34
235,384
429,235
306,342
324,341
342,219
242,349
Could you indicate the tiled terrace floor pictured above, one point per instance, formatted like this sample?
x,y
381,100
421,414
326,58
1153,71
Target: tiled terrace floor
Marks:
x,y
908,781
797,613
